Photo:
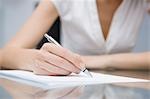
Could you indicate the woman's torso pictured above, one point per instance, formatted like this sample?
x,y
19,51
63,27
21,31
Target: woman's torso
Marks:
x,y
81,30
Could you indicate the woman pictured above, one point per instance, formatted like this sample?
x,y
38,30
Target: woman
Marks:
x,y
98,33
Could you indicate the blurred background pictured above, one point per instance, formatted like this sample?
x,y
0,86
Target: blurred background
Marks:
x,y
13,13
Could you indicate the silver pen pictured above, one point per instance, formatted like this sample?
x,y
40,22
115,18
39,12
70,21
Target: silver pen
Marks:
x,y
51,40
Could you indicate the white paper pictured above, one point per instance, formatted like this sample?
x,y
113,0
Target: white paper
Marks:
x,y
63,81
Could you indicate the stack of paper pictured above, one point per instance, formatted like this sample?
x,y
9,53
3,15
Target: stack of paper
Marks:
x,y
63,81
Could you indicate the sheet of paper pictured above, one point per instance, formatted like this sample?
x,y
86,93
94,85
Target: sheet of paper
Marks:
x,y
63,81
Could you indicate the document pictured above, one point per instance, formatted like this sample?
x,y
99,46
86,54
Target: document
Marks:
x,y
64,81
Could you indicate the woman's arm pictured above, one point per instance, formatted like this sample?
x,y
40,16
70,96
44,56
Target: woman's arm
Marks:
x,y
39,23
50,59
119,61
29,36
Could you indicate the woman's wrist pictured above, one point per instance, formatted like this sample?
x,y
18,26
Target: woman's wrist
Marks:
x,y
101,62
13,57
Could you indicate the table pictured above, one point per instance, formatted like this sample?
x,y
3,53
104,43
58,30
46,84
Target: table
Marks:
x,y
14,90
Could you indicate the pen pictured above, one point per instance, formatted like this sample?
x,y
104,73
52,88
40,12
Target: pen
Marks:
x,y
51,40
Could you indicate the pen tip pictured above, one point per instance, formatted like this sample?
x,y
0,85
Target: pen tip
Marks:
x,y
88,73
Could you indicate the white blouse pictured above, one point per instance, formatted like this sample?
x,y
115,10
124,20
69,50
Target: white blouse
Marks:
x,y
81,30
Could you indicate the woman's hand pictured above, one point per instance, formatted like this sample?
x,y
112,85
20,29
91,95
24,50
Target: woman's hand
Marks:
x,y
49,60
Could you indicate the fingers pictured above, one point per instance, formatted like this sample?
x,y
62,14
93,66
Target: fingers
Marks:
x,y
64,53
41,71
51,69
60,62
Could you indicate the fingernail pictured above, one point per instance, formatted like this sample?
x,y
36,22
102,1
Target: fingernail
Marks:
x,y
82,66
78,71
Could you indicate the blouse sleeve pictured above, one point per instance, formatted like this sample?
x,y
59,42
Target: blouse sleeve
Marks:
x,y
62,6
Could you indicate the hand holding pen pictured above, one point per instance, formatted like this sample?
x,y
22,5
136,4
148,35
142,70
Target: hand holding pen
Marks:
x,y
69,56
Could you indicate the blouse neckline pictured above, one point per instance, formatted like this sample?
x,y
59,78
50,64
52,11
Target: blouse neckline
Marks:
x,y
97,21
